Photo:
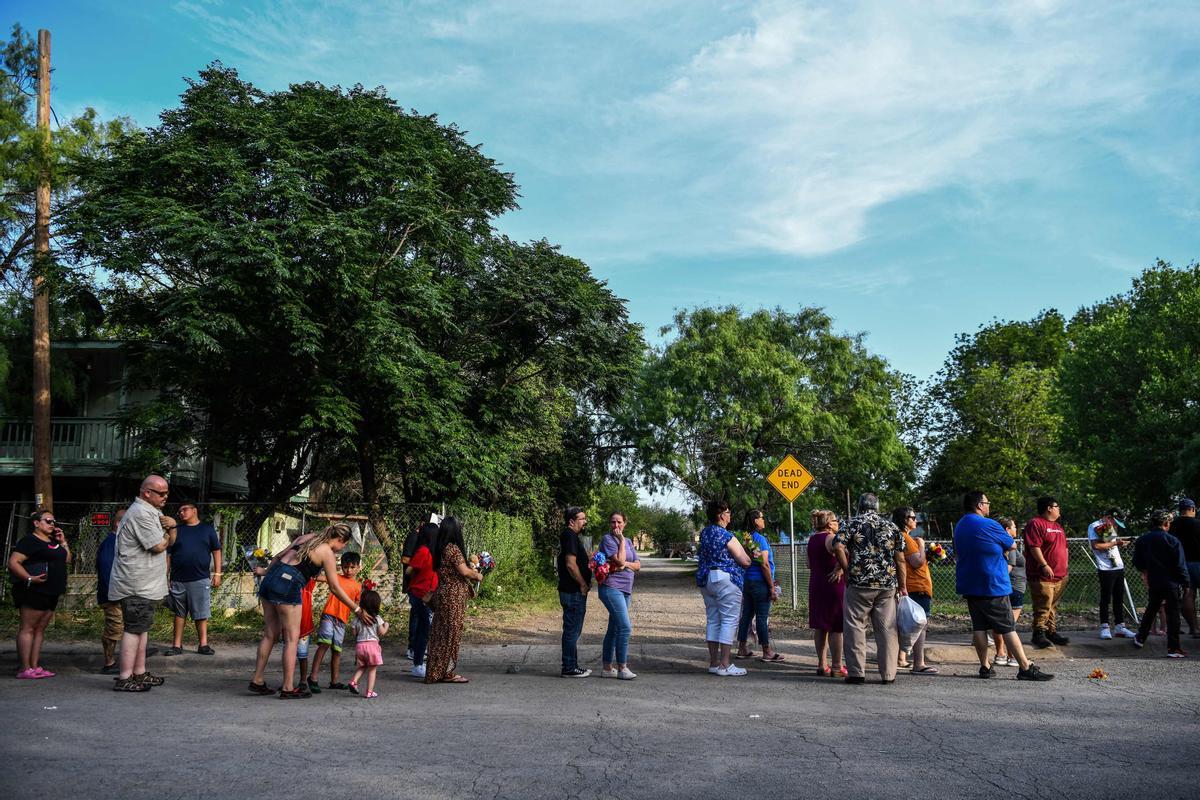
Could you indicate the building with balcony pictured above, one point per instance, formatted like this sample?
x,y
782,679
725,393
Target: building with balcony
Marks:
x,y
88,447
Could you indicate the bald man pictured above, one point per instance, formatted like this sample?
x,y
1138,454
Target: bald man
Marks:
x,y
139,579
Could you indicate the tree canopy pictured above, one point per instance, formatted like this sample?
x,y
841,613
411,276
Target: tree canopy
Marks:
x,y
315,286
715,408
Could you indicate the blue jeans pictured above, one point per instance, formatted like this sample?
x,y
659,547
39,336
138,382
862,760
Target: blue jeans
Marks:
x,y
419,619
756,603
574,606
616,638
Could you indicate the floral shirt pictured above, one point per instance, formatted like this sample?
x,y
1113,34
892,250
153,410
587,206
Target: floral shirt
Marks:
x,y
871,543
714,554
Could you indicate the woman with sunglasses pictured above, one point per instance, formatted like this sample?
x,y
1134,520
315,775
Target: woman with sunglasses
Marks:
x,y
38,566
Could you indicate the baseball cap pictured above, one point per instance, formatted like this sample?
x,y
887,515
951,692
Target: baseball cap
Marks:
x,y
1187,504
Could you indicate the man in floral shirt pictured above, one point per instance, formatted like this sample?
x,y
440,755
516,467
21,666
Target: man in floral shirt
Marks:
x,y
870,551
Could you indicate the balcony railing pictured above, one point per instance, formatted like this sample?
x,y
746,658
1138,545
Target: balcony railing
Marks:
x,y
74,442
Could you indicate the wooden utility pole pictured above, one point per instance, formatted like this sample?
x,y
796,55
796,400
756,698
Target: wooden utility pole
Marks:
x,y
41,296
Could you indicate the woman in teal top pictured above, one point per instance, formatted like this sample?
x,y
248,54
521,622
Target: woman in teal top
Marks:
x,y
758,591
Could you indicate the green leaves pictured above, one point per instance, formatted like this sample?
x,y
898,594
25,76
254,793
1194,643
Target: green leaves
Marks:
x,y
719,405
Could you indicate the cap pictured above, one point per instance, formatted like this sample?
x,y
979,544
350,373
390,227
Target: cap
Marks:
x,y
1187,504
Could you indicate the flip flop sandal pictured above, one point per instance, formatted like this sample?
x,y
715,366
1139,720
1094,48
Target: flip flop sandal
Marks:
x,y
775,658
454,679
751,654
926,670
294,694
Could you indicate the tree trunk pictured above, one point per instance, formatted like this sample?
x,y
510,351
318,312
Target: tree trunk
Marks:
x,y
370,489
42,480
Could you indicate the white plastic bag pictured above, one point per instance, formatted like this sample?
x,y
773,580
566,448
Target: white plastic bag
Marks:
x,y
910,621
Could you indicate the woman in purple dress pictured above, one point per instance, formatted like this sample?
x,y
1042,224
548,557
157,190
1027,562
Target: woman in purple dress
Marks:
x,y
826,589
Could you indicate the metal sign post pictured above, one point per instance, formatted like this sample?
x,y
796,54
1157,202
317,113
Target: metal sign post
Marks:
x,y
790,479
792,539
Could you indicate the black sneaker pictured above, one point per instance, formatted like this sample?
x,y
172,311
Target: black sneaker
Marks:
x,y
333,685
987,672
855,680
110,669
1138,643
313,686
1057,637
259,688
173,651
1034,673
295,694
578,672
205,650
1039,640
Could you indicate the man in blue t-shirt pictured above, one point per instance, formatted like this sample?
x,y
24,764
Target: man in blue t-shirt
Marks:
x,y
196,545
981,577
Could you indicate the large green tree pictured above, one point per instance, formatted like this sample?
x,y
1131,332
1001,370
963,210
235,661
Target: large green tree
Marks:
x,y
316,288
730,394
1131,389
994,419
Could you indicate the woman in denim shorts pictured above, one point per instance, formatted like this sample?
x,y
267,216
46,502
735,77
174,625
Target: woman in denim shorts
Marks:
x,y
281,592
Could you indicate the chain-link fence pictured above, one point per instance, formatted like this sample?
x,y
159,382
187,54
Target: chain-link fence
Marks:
x,y
243,527
1081,595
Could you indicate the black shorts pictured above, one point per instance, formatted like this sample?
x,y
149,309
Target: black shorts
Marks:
x,y
139,613
24,597
991,613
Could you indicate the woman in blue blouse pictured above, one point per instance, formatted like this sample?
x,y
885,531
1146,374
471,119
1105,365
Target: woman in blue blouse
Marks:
x,y
757,592
719,575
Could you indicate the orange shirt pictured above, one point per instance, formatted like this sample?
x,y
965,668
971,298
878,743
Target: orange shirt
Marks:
x,y
336,608
917,580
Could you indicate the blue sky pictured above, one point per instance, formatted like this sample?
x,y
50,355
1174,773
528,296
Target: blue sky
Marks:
x,y
916,168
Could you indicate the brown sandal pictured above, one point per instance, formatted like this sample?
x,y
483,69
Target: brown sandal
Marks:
x,y
454,679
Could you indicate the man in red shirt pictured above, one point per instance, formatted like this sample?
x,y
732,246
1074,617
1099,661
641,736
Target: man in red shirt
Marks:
x,y
1046,566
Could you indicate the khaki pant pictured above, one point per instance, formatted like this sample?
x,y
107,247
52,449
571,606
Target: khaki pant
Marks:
x,y
1045,596
114,628
880,606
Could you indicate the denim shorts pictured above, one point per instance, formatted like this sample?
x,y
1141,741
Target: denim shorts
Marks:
x,y
1017,598
282,585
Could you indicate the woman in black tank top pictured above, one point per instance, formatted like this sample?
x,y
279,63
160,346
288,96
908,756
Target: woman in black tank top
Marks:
x,y
280,592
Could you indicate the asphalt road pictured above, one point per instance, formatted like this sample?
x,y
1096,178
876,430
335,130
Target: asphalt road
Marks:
x,y
676,731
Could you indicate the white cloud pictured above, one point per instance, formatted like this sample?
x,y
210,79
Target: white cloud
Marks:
x,y
817,117
678,127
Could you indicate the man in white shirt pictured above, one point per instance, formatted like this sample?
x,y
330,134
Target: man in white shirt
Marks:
x,y
1106,542
139,579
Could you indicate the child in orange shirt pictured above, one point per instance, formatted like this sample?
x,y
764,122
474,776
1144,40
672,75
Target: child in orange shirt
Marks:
x,y
333,622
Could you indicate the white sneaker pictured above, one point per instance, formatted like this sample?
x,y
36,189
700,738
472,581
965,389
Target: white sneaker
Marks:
x,y
408,654
417,672
1105,633
626,674
608,673
733,670
714,670
1125,632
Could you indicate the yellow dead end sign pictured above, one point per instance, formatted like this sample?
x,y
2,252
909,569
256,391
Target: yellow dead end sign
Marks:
x,y
790,478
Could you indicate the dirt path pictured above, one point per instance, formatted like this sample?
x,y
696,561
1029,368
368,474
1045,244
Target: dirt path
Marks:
x,y
666,608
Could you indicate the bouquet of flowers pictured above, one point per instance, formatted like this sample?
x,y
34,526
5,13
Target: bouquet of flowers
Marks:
x,y
600,567
258,557
936,552
486,562
747,541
